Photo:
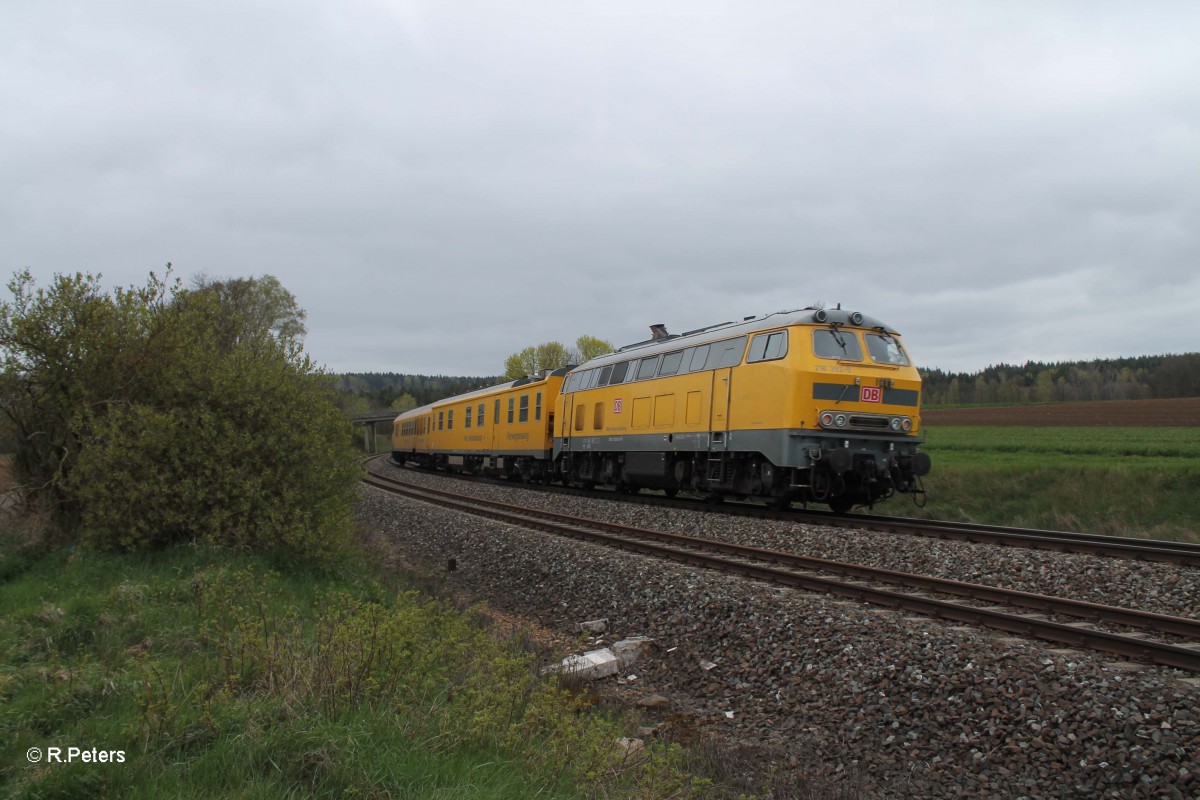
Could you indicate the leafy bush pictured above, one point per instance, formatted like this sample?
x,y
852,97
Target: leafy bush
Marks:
x,y
140,422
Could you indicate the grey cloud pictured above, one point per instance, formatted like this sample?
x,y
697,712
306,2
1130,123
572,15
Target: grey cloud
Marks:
x,y
441,185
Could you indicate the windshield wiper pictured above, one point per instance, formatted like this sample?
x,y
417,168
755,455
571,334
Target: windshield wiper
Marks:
x,y
837,337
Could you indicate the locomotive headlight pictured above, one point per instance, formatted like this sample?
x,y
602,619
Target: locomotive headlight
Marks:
x,y
840,420
827,419
895,423
906,424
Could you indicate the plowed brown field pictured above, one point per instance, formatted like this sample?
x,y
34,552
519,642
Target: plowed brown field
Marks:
x,y
1174,413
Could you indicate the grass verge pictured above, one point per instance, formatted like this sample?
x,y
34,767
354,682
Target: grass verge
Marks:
x,y
219,674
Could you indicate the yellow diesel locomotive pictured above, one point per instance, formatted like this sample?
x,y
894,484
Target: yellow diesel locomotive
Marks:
x,y
815,405
818,405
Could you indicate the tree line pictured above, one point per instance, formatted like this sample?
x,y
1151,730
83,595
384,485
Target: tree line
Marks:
x,y
1132,378
360,392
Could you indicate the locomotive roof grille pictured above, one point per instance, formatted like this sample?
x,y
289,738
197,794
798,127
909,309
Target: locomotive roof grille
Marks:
x,y
779,319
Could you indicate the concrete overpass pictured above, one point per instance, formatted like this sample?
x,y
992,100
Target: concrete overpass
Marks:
x,y
369,420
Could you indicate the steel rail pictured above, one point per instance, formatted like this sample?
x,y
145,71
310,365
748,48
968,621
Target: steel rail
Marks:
x,y
1126,547
689,550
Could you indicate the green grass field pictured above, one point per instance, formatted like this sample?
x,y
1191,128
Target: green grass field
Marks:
x,y
221,675
1121,481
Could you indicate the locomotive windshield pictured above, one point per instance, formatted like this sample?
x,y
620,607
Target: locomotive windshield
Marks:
x,y
832,343
885,349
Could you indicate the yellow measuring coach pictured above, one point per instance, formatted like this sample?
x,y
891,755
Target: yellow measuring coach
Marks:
x,y
505,429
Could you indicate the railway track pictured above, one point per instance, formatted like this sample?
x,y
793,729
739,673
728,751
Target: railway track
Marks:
x,y
1185,553
1126,547
1015,612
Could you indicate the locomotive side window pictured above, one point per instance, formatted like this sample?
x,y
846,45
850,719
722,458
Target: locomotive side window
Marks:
x,y
885,349
604,376
727,353
670,363
768,347
699,356
524,415
832,343
579,417
618,373
646,367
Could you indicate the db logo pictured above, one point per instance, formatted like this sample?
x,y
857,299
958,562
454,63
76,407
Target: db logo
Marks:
x,y
871,394
617,405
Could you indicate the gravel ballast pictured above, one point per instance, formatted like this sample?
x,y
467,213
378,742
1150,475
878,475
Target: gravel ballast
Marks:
x,y
837,692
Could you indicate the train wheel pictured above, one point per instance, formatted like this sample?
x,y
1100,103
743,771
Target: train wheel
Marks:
x,y
840,505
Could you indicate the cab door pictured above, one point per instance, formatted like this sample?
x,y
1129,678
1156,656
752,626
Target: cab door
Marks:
x,y
566,418
719,421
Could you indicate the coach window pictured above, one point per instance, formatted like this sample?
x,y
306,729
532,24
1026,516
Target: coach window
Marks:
x,y
646,367
467,419
524,417
767,347
670,363
618,373
832,343
537,407
441,420
479,417
450,420
885,349
496,413
511,405
699,356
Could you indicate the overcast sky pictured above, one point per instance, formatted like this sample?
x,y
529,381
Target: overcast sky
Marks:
x,y
441,184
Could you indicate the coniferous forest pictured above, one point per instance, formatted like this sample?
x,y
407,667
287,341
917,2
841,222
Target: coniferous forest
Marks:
x,y
1134,378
